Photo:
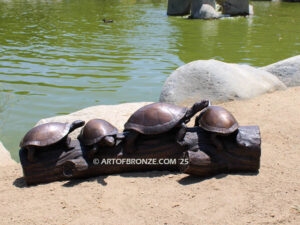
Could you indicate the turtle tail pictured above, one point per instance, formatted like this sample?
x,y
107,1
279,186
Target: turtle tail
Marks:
x,y
76,124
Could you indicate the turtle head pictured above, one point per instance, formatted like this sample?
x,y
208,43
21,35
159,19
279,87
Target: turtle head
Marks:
x,y
109,141
76,124
198,106
120,136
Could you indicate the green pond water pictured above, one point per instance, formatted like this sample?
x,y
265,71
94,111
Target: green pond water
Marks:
x,y
57,57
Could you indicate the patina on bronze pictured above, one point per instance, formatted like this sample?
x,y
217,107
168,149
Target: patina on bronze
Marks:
x,y
158,118
164,135
98,133
241,152
218,121
46,135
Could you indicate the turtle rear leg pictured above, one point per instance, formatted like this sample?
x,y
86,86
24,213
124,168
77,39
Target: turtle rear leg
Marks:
x,y
130,142
216,141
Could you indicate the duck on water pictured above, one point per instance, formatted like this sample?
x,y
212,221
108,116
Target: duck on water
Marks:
x,y
107,21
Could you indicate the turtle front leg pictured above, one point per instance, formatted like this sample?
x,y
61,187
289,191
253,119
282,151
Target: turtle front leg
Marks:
x,y
30,154
197,107
92,151
181,132
216,142
197,121
130,142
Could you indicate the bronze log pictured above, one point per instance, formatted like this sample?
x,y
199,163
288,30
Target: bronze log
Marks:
x,y
195,155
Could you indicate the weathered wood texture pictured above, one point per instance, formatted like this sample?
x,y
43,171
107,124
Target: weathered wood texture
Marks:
x,y
241,153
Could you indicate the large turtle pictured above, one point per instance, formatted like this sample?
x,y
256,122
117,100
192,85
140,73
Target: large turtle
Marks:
x,y
98,133
47,134
159,118
217,121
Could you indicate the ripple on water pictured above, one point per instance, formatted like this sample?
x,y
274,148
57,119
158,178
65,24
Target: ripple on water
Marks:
x,y
58,56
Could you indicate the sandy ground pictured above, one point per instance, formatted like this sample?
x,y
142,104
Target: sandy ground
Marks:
x,y
271,197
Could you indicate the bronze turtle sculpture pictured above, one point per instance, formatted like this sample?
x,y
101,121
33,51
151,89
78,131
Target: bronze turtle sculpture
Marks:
x,y
158,118
217,121
98,133
47,134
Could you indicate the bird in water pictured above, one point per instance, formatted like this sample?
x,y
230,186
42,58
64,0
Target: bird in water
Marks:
x,y
107,21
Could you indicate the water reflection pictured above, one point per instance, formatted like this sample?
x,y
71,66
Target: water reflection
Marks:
x,y
58,56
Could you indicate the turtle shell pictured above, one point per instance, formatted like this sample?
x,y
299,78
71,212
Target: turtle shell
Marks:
x,y
95,130
218,120
155,118
45,134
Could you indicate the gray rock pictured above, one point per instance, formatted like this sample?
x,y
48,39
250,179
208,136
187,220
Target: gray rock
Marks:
x,y
251,10
115,114
235,7
217,81
208,12
179,7
197,4
288,70
5,158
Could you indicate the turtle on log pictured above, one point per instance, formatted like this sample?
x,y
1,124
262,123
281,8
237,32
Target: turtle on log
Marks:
x,y
98,133
158,118
47,135
218,122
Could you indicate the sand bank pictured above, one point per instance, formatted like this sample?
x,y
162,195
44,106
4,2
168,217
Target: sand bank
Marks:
x,y
271,197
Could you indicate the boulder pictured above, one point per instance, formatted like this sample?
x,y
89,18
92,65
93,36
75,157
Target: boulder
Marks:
x,y
288,70
235,7
206,12
5,158
115,114
251,10
217,81
197,5
179,7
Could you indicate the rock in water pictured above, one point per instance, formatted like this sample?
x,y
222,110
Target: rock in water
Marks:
x,y
288,70
197,6
208,12
217,81
179,7
251,10
235,7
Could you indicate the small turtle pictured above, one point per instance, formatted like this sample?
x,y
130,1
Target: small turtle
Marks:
x,y
97,133
158,118
47,134
217,121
